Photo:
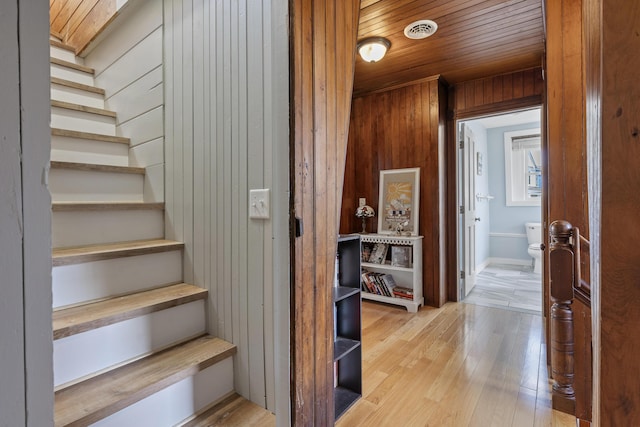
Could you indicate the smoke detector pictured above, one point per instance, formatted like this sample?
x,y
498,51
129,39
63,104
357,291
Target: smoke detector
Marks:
x,y
420,29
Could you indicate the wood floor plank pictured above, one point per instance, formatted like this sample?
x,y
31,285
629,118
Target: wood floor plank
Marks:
x,y
83,108
61,45
74,320
75,85
91,136
460,365
68,64
98,397
67,256
105,206
97,168
234,411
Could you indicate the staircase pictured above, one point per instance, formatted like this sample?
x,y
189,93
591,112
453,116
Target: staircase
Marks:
x,y
130,347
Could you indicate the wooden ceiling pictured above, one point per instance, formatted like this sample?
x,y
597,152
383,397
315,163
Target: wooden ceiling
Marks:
x,y
475,39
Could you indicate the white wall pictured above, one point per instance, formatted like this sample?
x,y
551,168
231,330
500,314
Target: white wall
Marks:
x,y
26,373
226,131
508,233
128,63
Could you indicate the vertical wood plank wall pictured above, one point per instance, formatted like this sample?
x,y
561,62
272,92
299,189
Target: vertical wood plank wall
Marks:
x,y
567,194
77,22
26,349
224,85
491,95
128,66
567,168
620,233
402,128
323,40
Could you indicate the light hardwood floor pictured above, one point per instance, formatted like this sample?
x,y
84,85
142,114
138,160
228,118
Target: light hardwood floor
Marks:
x,y
461,365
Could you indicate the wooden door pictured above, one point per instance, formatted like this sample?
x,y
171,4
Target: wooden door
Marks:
x,y
469,219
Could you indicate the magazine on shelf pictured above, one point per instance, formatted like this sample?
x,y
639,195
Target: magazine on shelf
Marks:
x,y
366,251
401,256
378,253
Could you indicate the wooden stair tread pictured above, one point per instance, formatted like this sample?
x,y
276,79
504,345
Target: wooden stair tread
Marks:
x,y
105,206
61,45
97,168
83,108
87,135
74,320
234,411
81,254
73,65
69,83
98,397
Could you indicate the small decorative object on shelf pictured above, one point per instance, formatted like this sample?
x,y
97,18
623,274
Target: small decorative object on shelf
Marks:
x,y
364,212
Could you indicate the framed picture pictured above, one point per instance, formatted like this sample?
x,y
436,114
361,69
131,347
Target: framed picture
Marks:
x,y
398,201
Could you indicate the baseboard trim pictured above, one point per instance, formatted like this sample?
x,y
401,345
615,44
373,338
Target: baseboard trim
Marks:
x,y
483,265
511,261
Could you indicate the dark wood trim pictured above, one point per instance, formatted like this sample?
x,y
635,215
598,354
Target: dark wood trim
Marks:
x,y
500,107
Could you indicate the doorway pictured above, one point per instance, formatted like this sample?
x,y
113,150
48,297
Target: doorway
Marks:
x,y
499,190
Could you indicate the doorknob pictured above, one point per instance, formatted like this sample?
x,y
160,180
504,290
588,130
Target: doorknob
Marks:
x,y
477,219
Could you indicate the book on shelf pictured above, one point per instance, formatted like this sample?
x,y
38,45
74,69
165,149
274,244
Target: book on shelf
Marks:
x,y
378,283
402,292
401,256
378,253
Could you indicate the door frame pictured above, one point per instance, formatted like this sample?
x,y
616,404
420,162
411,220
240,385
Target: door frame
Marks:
x,y
453,161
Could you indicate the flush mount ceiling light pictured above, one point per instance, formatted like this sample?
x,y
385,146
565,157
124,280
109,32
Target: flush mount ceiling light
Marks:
x,y
420,29
373,49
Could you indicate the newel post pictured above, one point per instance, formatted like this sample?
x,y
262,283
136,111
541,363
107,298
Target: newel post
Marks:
x,y
561,270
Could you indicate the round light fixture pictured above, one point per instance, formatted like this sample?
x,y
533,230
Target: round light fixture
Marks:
x,y
373,49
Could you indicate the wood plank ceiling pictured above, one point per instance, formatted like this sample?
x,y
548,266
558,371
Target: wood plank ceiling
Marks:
x,y
475,39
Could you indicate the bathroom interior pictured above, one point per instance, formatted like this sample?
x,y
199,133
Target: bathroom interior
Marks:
x,y
508,232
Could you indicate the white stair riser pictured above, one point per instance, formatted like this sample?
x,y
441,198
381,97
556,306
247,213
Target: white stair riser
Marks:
x,y
77,283
79,228
175,403
83,122
78,150
74,185
71,74
93,351
76,96
65,55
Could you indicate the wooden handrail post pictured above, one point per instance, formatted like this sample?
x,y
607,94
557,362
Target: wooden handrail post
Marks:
x,y
562,275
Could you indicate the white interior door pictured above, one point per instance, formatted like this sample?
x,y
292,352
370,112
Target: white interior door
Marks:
x,y
468,212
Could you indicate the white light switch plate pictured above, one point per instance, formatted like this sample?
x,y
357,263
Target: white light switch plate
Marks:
x,y
259,203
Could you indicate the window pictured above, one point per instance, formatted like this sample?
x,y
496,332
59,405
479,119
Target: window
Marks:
x,y
523,171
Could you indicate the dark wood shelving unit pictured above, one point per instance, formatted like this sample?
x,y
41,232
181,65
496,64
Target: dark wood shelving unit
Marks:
x,y
347,354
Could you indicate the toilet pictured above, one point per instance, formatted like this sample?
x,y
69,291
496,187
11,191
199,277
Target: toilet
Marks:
x,y
534,236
